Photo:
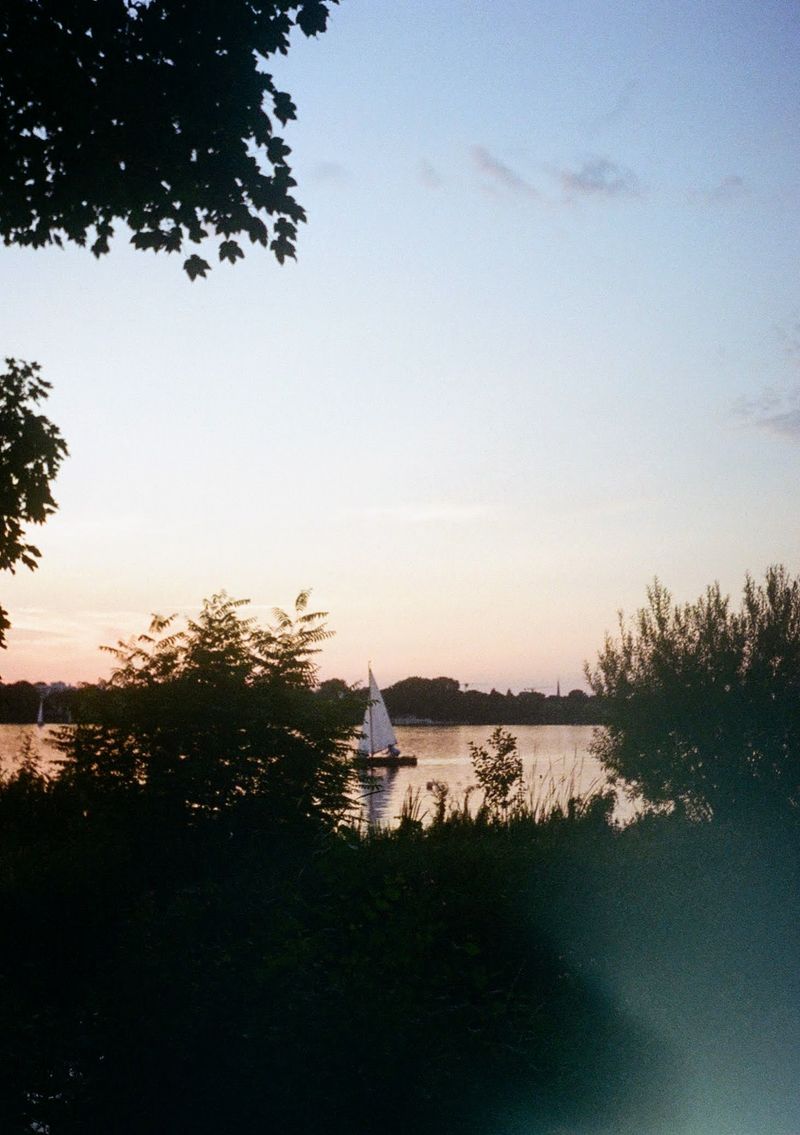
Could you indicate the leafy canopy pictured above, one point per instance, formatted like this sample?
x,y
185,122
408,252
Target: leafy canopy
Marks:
x,y
702,701
218,717
31,451
157,113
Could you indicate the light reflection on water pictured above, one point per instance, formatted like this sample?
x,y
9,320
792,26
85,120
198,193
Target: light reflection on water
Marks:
x,y
555,759
15,738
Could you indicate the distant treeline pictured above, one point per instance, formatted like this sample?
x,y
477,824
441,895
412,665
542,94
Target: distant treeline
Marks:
x,y
439,700
19,703
443,700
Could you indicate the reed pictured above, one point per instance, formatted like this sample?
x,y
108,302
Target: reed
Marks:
x,y
411,814
560,792
544,798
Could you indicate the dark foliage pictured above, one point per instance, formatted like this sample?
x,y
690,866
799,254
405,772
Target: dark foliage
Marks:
x,y
438,700
702,702
31,451
191,940
478,976
19,703
172,978
219,720
157,113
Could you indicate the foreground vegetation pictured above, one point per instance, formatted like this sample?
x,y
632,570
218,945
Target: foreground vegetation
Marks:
x,y
474,975
197,935
702,701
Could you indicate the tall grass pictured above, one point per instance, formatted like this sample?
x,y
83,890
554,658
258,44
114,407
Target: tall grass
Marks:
x,y
561,793
544,796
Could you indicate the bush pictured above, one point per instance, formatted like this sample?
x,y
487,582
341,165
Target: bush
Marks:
x,y
217,719
498,769
702,702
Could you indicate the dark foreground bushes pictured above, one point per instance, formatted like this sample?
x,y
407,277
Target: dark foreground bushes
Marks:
x,y
192,941
474,977
197,981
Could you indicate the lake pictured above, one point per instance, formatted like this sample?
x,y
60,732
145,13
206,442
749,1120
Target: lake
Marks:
x,y
14,738
555,759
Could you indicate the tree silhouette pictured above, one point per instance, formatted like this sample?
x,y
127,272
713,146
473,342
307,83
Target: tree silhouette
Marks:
x,y
702,702
218,718
31,451
156,113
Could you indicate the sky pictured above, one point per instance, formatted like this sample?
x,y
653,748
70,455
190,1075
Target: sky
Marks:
x,y
540,345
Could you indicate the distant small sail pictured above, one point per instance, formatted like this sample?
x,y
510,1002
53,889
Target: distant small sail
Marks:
x,y
40,714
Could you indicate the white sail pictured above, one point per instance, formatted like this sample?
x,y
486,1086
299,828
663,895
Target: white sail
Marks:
x,y
377,732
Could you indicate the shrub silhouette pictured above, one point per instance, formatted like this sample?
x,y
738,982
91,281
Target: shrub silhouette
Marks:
x,y
702,702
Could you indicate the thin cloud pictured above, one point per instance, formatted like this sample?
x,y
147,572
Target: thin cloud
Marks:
x,y
600,177
430,513
499,174
772,411
730,188
619,110
32,635
429,175
111,616
785,425
329,171
620,507
35,622
759,406
789,340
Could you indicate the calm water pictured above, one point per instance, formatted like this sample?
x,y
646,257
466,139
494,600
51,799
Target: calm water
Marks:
x,y
14,739
555,758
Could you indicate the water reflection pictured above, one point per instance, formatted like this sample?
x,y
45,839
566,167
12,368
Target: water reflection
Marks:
x,y
17,741
556,764
376,794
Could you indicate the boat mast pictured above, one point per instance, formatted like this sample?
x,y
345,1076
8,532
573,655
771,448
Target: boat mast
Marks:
x,y
369,705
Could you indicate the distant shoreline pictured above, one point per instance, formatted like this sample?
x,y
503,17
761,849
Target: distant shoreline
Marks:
x,y
443,701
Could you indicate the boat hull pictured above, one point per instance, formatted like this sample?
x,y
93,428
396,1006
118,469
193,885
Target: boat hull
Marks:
x,y
383,762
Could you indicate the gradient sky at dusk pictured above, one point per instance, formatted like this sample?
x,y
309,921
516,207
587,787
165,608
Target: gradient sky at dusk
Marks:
x,y
542,343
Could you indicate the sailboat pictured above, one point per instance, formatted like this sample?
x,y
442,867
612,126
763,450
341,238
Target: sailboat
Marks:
x,y
377,747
